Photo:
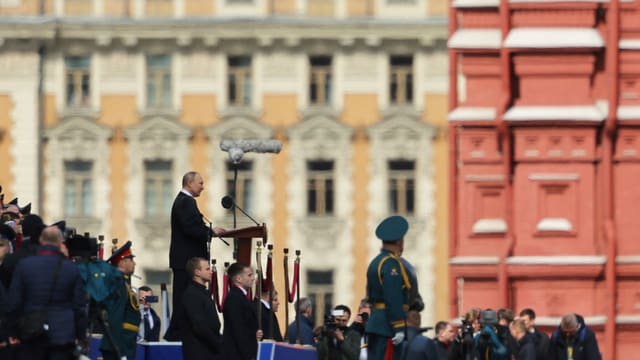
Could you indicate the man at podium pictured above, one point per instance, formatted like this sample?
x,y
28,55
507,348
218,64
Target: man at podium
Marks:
x,y
189,238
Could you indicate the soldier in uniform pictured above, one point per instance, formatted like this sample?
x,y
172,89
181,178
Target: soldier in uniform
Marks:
x,y
388,289
123,309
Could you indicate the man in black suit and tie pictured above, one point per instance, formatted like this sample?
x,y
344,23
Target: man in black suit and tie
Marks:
x,y
150,320
189,239
270,326
201,328
241,335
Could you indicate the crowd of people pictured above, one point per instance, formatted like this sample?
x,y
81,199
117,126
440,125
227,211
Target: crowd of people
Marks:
x,y
51,299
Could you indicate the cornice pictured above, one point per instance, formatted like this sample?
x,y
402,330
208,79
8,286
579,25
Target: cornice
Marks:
x,y
288,31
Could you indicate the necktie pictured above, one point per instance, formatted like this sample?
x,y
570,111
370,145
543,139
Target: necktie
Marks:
x,y
147,324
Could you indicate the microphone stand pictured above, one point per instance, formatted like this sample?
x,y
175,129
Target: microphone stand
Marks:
x,y
233,197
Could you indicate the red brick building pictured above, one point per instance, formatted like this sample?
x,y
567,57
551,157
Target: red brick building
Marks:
x,y
545,161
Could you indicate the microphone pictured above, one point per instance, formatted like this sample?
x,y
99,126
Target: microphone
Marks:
x,y
237,148
228,203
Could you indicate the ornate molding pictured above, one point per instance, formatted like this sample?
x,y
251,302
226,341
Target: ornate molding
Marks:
x,y
78,137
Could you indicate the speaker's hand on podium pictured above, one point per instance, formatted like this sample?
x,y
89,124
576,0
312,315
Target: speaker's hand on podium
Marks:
x,y
218,230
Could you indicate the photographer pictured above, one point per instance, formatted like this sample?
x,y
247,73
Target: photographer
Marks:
x,y
150,322
337,341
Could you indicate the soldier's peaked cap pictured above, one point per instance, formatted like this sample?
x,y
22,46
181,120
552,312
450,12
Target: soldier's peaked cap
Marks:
x,y
392,228
121,253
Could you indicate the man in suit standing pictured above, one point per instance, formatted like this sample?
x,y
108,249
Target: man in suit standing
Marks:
x,y
189,238
270,326
201,338
240,336
49,281
150,320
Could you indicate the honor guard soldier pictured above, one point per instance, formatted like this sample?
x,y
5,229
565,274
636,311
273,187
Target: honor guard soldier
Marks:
x,y
123,309
388,288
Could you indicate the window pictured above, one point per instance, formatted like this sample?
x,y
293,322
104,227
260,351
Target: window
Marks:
x,y
159,81
158,189
401,86
78,196
239,80
78,80
320,187
320,290
244,184
402,186
320,80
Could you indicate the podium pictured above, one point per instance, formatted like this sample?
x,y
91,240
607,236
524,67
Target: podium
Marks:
x,y
244,237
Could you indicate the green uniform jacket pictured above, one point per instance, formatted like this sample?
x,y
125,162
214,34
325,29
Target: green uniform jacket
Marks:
x,y
388,292
124,320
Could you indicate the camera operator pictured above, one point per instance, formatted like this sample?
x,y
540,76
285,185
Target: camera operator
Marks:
x,y
462,346
337,341
493,339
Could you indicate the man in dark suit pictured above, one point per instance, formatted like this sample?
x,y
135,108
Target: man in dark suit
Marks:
x,y
270,326
150,320
49,278
189,238
240,336
200,327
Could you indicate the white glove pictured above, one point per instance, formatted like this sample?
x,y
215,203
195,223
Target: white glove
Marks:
x,y
397,338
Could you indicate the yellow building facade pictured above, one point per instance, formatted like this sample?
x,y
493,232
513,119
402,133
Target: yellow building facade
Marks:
x,y
104,104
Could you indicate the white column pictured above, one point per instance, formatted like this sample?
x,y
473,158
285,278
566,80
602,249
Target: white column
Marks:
x,y
341,9
98,8
178,8
138,8
58,7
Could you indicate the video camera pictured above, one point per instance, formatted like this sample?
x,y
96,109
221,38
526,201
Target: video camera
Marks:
x,y
81,247
330,326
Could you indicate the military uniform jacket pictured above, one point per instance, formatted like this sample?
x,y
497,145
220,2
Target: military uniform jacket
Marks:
x,y
124,320
388,291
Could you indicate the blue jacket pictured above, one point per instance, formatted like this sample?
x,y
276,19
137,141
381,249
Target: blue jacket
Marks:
x,y
31,285
418,346
306,332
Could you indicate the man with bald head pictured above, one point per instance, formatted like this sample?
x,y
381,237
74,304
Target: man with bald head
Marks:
x,y
41,280
189,238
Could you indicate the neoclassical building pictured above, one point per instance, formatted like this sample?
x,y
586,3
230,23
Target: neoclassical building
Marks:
x,y
105,104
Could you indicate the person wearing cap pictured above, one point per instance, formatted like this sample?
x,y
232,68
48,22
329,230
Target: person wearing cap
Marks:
x,y
123,309
48,281
388,287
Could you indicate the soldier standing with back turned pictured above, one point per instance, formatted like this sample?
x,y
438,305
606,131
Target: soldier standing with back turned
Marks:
x,y
388,288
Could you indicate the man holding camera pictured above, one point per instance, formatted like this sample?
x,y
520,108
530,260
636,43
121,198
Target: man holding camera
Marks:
x,y
150,320
337,341
388,288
